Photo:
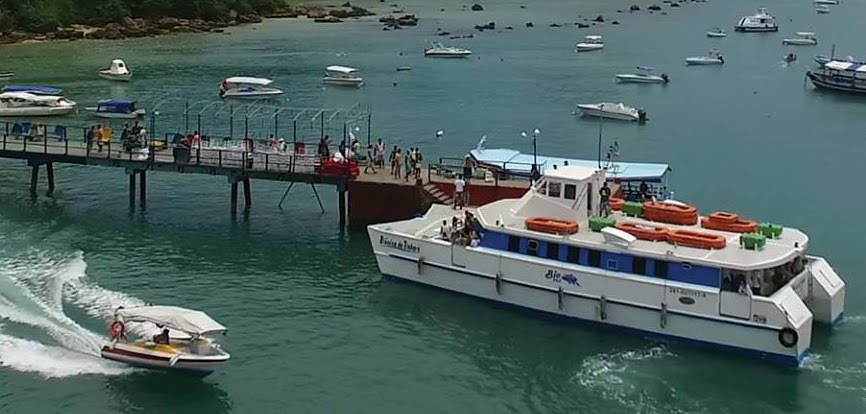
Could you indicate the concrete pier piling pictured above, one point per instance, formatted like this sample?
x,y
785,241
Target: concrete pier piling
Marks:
x,y
34,178
49,170
142,193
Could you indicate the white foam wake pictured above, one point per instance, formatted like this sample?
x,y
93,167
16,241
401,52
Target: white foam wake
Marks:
x,y
52,361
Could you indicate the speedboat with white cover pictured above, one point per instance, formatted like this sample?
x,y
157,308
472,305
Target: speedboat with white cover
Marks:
x,y
761,21
248,87
342,75
590,43
802,39
116,72
841,76
183,344
551,252
440,51
822,9
28,104
610,110
716,32
826,2
117,109
644,75
34,90
713,57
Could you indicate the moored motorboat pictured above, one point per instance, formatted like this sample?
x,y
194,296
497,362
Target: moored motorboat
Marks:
x,y
644,75
117,109
590,43
343,76
184,344
716,32
611,110
826,2
761,21
117,71
713,57
822,9
440,51
802,39
28,104
840,76
248,87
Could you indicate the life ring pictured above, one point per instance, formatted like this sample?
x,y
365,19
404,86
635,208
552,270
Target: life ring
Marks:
x,y
116,330
788,337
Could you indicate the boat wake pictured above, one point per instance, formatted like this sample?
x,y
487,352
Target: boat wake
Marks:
x,y
37,335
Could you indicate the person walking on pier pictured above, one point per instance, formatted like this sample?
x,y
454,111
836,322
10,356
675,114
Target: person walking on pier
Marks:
x,y
380,154
91,136
459,185
409,164
418,163
369,161
398,161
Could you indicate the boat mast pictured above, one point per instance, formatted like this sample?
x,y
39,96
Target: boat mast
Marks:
x,y
600,124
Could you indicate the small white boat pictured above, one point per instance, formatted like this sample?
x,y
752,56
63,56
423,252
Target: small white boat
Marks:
x,y
28,104
822,9
116,72
440,51
183,344
590,43
342,75
33,90
117,109
6,75
826,2
713,57
761,21
248,87
613,111
644,75
716,32
802,39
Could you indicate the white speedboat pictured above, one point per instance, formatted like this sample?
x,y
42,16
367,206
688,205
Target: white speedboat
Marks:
x,y
28,104
6,75
661,273
116,72
248,87
183,345
590,43
440,51
613,111
342,75
713,57
34,90
826,2
716,32
761,21
802,39
822,9
644,75
117,109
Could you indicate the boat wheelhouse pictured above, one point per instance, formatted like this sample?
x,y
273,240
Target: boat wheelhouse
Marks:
x,y
117,71
654,267
761,21
840,76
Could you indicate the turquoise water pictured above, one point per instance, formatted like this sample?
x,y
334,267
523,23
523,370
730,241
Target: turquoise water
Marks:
x,y
313,328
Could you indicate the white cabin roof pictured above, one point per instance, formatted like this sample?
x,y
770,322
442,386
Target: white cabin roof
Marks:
x,y
846,66
189,321
571,172
246,80
341,69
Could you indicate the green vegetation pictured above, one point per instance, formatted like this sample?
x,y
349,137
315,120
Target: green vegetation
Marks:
x,y
47,15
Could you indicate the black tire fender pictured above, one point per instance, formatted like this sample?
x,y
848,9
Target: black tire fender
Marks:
x,y
788,337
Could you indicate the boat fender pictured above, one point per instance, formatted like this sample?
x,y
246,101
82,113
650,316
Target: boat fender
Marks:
x,y
420,264
602,304
116,330
664,315
788,337
498,283
559,298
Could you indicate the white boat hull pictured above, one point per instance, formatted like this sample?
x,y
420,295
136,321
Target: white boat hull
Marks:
x,y
343,81
447,55
826,2
6,75
702,61
37,111
194,364
588,47
716,34
252,94
635,78
113,115
651,307
822,11
123,77
800,42
594,111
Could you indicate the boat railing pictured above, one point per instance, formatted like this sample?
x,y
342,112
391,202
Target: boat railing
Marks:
x,y
449,167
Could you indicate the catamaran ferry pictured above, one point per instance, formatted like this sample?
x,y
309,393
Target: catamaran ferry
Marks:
x,y
654,267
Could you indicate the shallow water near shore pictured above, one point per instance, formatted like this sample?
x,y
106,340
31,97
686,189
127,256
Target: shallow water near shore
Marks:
x,y
312,325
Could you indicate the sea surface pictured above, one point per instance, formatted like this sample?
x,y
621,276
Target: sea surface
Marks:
x,y
313,328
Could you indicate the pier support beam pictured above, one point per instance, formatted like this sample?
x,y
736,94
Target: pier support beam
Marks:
x,y
248,196
49,169
234,198
131,191
342,202
142,191
34,177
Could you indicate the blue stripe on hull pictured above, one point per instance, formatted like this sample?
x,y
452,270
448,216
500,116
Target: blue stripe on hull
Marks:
x,y
777,358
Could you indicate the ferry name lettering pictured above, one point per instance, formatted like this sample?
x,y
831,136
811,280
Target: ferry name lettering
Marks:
x,y
401,245
686,292
559,277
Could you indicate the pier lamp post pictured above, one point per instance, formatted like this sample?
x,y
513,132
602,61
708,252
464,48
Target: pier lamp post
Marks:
x,y
533,174
600,124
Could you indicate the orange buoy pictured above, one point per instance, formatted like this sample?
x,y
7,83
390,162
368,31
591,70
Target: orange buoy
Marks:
x,y
723,217
551,225
616,203
700,240
644,232
670,213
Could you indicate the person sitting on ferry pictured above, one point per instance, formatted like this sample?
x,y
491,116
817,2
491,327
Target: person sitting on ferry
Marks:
x,y
644,190
445,230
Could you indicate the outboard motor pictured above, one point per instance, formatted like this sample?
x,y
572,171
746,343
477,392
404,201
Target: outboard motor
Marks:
x,y
641,116
721,59
665,77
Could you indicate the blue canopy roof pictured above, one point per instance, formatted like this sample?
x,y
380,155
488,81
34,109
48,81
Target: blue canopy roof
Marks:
x,y
36,90
115,105
521,164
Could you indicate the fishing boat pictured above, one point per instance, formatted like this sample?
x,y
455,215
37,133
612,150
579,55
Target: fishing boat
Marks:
x,y
117,109
343,76
117,71
644,75
437,50
840,76
33,90
826,2
28,104
716,32
184,344
248,87
822,9
713,57
590,43
610,110
757,294
761,21
802,39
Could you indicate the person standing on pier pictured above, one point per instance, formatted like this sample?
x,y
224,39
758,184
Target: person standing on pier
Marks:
x,y
369,161
418,159
392,159
380,154
398,161
409,164
91,136
459,184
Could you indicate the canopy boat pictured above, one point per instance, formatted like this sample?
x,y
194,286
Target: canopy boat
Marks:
x,y
342,75
826,2
117,109
802,39
438,50
840,76
685,282
761,21
822,9
613,111
248,87
589,43
183,344
716,32
28,104
644,75
116,72
713,57
34,90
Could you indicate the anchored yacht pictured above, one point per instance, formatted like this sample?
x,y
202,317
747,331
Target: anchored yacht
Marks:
x,y
657,268
761,21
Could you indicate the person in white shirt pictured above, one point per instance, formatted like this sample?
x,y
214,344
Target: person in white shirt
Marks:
x,y
459,185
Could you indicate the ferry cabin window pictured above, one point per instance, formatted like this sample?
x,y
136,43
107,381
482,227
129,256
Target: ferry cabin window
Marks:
x,y
554,189
513,244
661,269
573,254
532,247
595,258
639,265
552,251
570,191
612,264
